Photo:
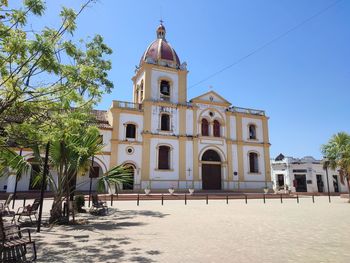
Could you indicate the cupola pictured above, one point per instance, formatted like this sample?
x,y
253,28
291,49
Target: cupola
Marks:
x,y
160,51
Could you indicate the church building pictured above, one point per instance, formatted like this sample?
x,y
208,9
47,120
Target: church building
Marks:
x,y
170,141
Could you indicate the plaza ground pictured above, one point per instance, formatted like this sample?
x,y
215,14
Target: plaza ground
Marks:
x,y
197,232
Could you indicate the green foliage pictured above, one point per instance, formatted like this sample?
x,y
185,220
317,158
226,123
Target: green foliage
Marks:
x,y
10,160
337,152
79,202
75,73
115,176
49,83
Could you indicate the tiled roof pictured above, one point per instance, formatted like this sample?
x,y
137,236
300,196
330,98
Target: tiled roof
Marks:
x,y
101,119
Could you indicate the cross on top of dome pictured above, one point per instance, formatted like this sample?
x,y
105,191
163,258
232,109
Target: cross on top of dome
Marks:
x,y
161,30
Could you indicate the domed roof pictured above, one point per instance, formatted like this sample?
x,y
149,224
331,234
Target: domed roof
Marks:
x,y
160,52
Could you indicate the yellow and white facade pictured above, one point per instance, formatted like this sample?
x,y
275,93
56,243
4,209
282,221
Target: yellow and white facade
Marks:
x,y
204,143
186,142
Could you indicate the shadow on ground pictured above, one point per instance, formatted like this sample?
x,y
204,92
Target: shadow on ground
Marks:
x,y
96,240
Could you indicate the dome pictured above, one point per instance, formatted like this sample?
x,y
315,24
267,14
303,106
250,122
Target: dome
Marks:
x,y
160,52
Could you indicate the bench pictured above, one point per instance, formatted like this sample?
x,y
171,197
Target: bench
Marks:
x,y
13,244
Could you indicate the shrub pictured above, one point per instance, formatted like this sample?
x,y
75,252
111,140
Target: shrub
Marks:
x,y
80,202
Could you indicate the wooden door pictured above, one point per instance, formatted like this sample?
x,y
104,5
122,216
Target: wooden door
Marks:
x,y
301,185
211,176
319,183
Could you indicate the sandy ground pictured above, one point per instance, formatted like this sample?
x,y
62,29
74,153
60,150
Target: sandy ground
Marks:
x,y
196,232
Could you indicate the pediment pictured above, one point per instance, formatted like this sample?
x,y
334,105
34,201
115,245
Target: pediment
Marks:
x,y
211,97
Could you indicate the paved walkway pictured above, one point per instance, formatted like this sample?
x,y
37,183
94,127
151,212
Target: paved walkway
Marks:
x,y
196,232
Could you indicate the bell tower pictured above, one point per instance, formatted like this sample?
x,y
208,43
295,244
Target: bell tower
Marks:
x,y
160,76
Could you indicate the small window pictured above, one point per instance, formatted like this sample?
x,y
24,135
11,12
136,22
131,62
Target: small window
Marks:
x,y
216,129
130,131
164,157
252,132
165,90
141,92
101,138
137,95
165,122
253,163
205,127
94,172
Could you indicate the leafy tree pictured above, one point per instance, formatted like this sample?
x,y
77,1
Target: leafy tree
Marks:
x,y
48,85
337,152
43,70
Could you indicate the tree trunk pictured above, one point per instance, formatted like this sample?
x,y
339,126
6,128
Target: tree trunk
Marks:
x,y
347,180
56,210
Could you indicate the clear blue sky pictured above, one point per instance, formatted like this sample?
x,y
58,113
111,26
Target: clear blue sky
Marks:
x,y
302,80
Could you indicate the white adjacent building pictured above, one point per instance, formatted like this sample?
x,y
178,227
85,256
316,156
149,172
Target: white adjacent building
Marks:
x,y
304,175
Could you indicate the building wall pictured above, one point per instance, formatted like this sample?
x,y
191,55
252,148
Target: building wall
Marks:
x,y
257,180
163,179
312,167
259,129
158,75
184,137
126,118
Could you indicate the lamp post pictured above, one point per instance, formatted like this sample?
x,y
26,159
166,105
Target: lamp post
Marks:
x,y
18,174
43,184
325,166
91,175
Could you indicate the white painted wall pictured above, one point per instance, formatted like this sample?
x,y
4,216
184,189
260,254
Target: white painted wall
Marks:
x,y
172,174
160,74
233,127
138,84
189,122
174,119
212,97
245,129
247,175
3,183
134,158
83,181
312,168
130,118
107,135
234,161
219,114
189,160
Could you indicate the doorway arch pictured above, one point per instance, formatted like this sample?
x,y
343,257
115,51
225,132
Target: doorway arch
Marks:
x,y
130,185
211,170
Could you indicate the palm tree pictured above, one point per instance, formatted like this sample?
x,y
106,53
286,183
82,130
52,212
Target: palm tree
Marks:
x,y
69,156
116,176
337,151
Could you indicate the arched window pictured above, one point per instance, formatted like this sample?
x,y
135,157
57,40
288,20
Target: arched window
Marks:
x,y
165,122
211,156
130,131
141,92
205,127
136,95
252,132
216,128
164,90
130,169
253,163
164,157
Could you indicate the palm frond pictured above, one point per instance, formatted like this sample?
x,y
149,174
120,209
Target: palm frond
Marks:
x,y
115,176
12,161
